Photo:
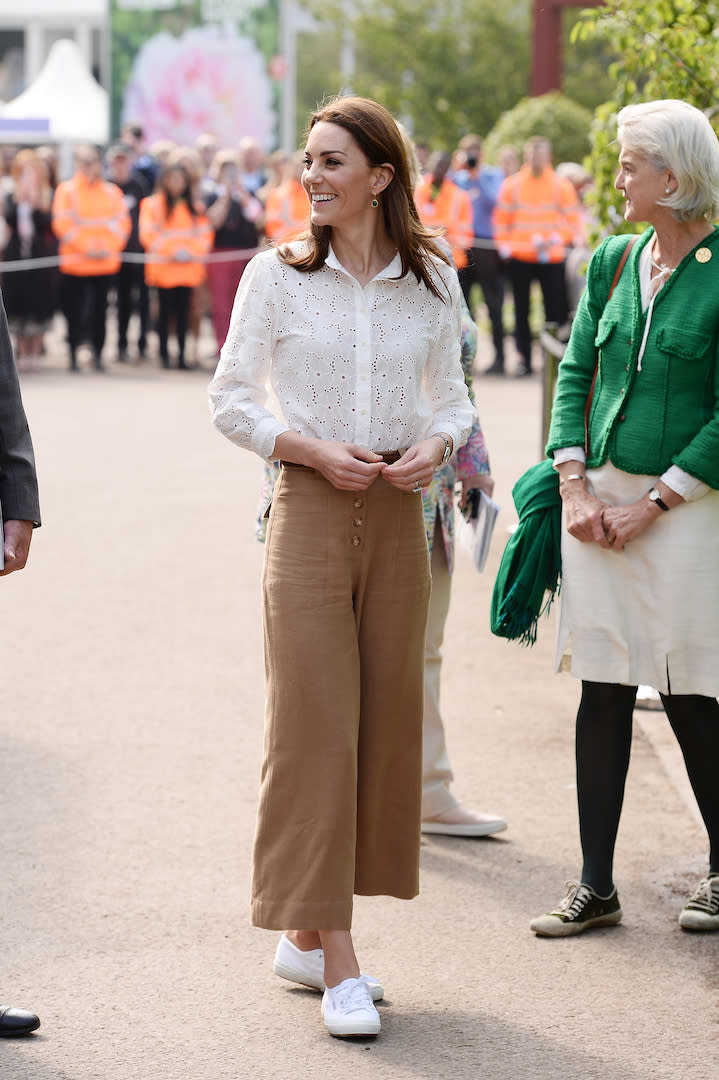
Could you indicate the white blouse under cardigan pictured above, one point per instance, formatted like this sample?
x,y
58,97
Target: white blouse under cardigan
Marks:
x,y
318,354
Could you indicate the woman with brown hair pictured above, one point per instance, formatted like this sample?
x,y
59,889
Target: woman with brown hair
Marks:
x,y
175,233
342,362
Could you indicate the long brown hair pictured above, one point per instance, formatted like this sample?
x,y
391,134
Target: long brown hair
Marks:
x,y
380,140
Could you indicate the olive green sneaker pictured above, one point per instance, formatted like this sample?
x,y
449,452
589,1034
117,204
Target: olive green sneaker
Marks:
x,y
581,909
701,912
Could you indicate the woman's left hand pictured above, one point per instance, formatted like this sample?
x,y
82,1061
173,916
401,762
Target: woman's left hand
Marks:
x,y
416,467
483,481
624,523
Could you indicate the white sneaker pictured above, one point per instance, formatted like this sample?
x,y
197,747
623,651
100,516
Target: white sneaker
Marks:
x,y
347,1009
308,968
459,820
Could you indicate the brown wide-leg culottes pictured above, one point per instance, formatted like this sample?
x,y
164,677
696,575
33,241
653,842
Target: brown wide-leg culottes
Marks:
x,y
346,587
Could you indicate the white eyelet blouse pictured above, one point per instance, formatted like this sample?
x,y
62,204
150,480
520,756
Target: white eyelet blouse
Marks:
x,y
318,354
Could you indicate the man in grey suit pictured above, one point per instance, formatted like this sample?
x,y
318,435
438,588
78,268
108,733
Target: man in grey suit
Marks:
x,y
20,511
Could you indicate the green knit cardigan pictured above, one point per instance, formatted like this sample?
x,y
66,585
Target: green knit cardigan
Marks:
x,y
667,413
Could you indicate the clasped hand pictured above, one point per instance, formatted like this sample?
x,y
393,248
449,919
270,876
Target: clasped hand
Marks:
x,y
590,519
349,467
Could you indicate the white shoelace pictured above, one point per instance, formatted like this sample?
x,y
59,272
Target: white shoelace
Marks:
x,y
574,901
706,898
355,998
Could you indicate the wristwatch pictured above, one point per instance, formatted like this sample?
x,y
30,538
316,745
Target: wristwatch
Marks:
x,y
447,448
656,498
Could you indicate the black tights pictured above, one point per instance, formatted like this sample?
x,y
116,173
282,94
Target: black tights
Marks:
x,y
173,302
604,736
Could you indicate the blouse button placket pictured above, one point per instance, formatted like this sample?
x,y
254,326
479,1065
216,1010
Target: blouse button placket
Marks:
x,y
363,369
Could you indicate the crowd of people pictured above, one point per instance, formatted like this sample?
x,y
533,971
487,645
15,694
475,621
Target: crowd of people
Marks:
x,y
165,232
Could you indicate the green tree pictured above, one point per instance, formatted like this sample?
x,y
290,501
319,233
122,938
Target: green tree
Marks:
x,y
445,69
562,121
665,49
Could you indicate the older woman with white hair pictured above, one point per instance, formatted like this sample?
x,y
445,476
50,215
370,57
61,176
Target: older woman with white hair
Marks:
x,y
640,498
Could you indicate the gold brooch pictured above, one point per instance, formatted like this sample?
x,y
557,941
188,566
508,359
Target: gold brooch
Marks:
x,y
703,255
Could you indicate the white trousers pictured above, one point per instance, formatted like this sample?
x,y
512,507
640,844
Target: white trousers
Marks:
x,y
437,773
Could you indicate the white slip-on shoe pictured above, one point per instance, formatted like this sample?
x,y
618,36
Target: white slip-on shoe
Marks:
x,y
308,968
459,820
348,1009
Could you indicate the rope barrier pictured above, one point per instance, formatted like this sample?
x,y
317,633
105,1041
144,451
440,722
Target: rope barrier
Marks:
x,y
47,261
481,243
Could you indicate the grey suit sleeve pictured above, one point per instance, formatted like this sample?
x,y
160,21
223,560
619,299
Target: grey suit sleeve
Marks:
x,y
18,481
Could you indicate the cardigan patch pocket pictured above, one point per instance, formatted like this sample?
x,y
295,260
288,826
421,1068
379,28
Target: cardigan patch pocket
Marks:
x,y
682,342
605,328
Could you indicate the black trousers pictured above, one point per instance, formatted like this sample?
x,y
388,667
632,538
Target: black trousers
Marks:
x,y
551,278
132,295
485,269
84,305
173,303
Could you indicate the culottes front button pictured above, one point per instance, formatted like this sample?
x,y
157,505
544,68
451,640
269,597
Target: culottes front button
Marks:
x,y
356,541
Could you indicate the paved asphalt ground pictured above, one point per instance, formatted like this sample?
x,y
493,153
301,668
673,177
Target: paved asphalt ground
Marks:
x,y
130,739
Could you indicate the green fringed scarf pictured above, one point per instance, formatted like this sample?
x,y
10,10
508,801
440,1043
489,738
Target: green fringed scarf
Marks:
x,y
531,565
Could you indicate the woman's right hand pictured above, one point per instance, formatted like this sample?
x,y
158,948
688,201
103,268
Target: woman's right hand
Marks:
x,y
347,466
583,513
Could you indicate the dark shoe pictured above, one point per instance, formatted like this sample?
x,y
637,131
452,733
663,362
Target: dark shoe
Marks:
x,y
580,910
701,912
521,370
497,368
17,1021
181,365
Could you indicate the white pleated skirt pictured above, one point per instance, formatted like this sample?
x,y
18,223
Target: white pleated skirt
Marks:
x,y
649,614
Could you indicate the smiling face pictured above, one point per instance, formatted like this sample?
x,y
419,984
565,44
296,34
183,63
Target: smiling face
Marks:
x,y
338,178
642,185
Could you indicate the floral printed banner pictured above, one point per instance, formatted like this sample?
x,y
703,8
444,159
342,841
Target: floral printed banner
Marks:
x,y
184,68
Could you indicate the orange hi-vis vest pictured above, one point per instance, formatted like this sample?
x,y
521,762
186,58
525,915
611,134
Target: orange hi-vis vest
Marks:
x,y
164,237
86,218
286,211
450,209
536,218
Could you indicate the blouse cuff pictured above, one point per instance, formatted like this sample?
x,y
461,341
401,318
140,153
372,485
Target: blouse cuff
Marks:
x,y
569,453
685,485
265,437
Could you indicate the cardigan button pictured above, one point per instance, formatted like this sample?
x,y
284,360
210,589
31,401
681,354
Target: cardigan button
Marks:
x,y
622,418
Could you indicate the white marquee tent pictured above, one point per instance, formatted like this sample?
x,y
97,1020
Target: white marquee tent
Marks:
x,y
63,105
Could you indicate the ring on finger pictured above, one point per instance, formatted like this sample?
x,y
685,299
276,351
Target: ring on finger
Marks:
x,y
417,490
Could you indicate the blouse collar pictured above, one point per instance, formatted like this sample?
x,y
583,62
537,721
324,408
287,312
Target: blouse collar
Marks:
x,y
393,269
